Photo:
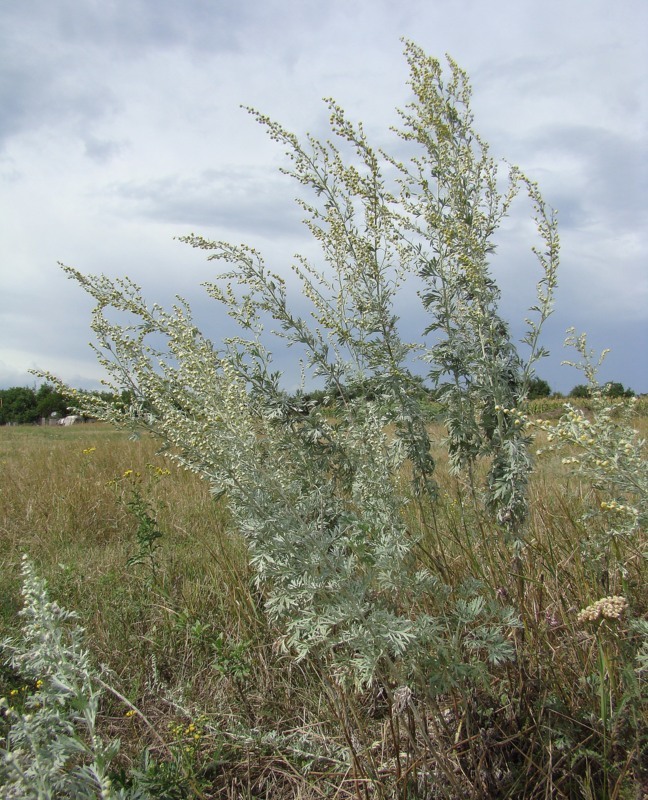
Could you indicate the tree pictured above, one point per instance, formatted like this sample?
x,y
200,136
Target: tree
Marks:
x,y
50,401
580,391
538,388
611,389
18,405
23,405
614,390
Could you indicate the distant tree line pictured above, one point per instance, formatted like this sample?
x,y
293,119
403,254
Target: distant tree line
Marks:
x,y
611,389
24,405
538,388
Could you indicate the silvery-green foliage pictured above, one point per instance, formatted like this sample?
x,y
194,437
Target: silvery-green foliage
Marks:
x,y
319,502
607,450
452,208
640,627
52,748
320,497
471,638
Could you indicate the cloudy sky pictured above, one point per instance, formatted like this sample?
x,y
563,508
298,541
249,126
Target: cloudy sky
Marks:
x,y
121,128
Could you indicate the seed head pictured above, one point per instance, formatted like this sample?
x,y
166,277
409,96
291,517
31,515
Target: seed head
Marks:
x,y
605,608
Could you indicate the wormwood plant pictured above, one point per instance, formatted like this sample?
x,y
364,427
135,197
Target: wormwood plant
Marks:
x,y
52,748
607,451
452,208
321,496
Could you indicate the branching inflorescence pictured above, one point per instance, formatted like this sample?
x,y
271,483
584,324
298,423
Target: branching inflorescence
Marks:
x,y
320,496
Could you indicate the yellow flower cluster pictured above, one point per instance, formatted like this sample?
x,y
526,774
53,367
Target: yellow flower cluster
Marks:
x,y
129,473
24,689
16,695
190,731
619,507
606,608
89,450
159,471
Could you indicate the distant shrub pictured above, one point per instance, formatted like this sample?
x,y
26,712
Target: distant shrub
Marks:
x,y
615,390
581,392
538,388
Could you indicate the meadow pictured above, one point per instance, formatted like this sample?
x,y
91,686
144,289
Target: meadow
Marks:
x,y
207,704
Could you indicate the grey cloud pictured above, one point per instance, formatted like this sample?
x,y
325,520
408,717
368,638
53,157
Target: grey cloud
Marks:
x,y
229,199
137,24
615,166
537,74
38,315
41,87
58,57
102,150
46,329
95,74
19,93
133,26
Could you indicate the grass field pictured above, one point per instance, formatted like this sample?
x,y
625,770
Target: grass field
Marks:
x,y
222,711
